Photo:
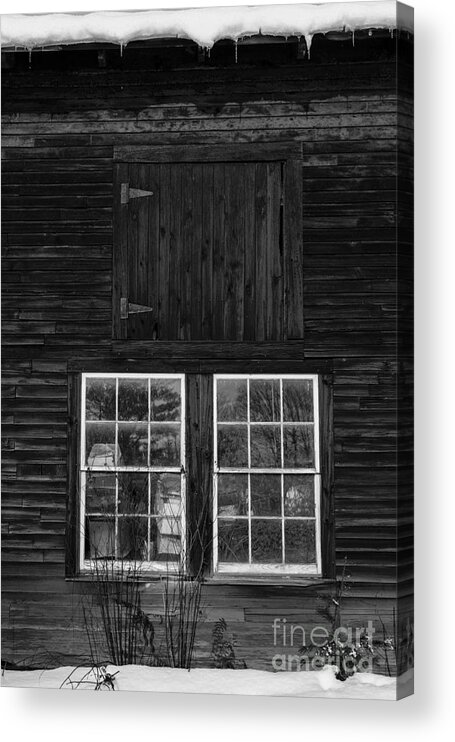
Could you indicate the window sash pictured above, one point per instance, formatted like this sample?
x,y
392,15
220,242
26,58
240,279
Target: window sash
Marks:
x,y
140,565
255,567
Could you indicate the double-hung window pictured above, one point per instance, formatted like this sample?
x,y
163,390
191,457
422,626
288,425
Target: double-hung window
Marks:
x,y
264,466
132,484
267,474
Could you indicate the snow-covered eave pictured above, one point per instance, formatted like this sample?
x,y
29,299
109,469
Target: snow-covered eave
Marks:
x,y
204,26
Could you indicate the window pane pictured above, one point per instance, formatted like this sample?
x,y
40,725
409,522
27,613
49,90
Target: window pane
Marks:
x,y
100,399
167,542
298,446
165,399
265,446
266,540
132,538
233,541
298,495
232,446
265,401
100,444
100,493
133,443
99,538
133,401
232,400
233,494
133,493
165,445
298,400
300,541
165,494
265,494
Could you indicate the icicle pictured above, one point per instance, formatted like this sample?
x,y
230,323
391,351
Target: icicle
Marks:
x,y
308,40
370,32
391,33
208,49
353,37
236,51
29,58
121,49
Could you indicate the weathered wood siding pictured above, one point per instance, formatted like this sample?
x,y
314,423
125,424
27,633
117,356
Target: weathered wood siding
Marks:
x,y
59,132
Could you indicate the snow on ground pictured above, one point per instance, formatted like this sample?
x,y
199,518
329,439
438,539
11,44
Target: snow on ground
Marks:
x,y
205,26
321,683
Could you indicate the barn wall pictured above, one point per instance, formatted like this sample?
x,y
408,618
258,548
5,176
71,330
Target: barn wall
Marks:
x,y
59,131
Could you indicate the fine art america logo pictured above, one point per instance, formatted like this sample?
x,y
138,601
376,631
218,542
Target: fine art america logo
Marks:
x,y
348,649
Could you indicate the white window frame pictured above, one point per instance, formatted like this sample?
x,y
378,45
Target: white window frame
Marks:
x,y
258,568
145,566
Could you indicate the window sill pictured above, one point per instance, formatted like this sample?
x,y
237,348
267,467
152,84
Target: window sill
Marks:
x,y
227,579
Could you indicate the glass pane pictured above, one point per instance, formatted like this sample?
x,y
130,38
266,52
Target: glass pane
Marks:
x,y
165,494
298,495
99,538
233,541
165,445
133,443
265,401
232,446
100,399
232,400
132,538
167,542
265,446
298,400
266,494
100,493
165,399
100,444
300,541
298,446
266,541
133,493
133,401
233,494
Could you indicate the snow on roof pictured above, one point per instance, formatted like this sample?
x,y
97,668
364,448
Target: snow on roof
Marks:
x,y
205,26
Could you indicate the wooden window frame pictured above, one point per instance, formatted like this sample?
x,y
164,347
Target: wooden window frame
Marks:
x,y
199,450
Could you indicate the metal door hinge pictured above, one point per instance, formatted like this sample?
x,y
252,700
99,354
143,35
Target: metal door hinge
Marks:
x,y
127,193
127,308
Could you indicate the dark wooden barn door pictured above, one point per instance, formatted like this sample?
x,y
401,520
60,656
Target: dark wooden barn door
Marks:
x,y
201,244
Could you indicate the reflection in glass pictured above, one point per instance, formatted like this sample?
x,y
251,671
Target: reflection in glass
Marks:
x,y
132,493
168,539
298,400
265,400
165,399
233,540
266,541
165,494
100,399
99,537
300,541
100,493
298,495
232,494
298,443
133,443
266,494
100,444
132,538
165,445
265,446
232,400
133,401
232,446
